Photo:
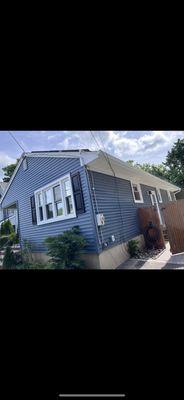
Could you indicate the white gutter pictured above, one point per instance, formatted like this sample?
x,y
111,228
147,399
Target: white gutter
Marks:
x,y
131,172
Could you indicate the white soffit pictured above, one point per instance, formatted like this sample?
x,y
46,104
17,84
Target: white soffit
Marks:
x,y
125,171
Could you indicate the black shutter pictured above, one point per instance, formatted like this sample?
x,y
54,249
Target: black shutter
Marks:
x,y
77,192
33,210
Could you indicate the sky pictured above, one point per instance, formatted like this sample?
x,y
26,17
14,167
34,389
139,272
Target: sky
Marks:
x,y
140,146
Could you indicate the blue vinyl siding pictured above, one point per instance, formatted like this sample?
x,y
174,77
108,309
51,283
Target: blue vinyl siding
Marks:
x,y
121,217
41,171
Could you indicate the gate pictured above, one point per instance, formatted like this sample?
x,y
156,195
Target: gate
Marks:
x,y
174,220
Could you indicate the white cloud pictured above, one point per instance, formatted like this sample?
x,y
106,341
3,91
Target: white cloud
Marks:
x,y
141,146
50,137
146,147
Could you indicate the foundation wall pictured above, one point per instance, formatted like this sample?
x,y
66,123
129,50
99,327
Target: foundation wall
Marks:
x,y
108,259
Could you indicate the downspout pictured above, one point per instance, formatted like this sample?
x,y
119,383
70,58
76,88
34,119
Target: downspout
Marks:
x,y
93,209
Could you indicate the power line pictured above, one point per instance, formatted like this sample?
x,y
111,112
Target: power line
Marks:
x,y
115,178
11,134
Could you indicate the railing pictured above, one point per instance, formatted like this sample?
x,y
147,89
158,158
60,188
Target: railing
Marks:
x,y
5,219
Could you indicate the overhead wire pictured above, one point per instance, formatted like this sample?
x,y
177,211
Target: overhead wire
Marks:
x,y
11,134
112,169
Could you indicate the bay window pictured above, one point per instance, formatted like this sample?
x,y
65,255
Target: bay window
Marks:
x,y
55,201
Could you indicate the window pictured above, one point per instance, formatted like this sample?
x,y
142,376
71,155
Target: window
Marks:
x,y
40,206
68,197
48,204
59,206
137,193
159,196
169,195
55,201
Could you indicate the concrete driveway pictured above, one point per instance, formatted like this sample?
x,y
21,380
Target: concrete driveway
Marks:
x,y
165,261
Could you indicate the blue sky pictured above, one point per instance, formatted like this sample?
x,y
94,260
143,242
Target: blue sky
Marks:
x,y
141,146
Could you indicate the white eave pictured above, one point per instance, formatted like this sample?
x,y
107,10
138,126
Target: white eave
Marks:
x,y
89,156
128,172
97,161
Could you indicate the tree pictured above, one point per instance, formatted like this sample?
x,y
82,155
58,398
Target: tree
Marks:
x,y
9,170
131,162
175,163
159,170
172,170
6,228
9,259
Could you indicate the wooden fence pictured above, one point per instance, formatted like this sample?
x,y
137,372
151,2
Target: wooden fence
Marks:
x,y
174,220
147,215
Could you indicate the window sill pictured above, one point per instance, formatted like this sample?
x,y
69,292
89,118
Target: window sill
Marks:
x,y
139,201
52,220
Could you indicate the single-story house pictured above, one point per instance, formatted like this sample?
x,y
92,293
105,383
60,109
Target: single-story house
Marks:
x,y
52,191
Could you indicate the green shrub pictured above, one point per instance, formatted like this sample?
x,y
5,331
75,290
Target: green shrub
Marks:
x,y
9,240
14,238
3,241
27,252
7,228
28,260
64,249
133,247
9,259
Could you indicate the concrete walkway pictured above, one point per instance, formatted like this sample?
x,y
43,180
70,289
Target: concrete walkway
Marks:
x,y
165,261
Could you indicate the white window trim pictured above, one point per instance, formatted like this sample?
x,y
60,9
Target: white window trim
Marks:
x,y
159,196
140,192
169,195
58,181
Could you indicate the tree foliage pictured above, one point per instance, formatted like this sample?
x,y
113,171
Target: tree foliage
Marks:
x,y
9,170
64,249
7,228
175,163
172,170
159,170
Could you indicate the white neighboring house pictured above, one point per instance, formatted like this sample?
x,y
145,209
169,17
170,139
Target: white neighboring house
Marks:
x,y
10,213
